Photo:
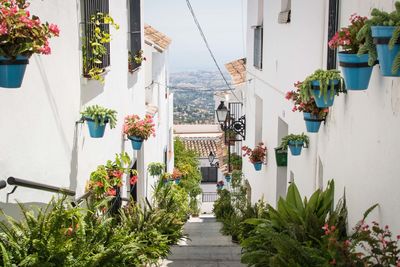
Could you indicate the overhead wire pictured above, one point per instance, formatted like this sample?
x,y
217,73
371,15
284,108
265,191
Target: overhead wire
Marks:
x,y
208,47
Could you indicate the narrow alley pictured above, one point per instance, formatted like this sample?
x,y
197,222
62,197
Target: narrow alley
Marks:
x,y
206,246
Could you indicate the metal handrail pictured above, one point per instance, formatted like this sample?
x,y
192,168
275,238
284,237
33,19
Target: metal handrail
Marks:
x,y
3,184
29,184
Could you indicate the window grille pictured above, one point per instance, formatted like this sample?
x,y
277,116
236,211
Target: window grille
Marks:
x,y
135,32
90,8
209,174
258,47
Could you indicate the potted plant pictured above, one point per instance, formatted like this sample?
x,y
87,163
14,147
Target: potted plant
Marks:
x,y
21,36
138,129
230,137
381,35
156,168
177,175
106,180
257,155
166,177
134,61
220,185
281,157
323,85
97,117
295,142
355,68
313,116
228,177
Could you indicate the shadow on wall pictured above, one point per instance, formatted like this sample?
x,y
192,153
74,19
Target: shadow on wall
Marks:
x,y
133,78
73,175
52,103
90,89
13,209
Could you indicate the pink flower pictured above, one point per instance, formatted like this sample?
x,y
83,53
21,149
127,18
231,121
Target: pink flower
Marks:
x,y
3,28
133,180
54,29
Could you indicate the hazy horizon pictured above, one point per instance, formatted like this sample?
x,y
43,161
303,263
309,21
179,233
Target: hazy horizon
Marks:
x,y
221,22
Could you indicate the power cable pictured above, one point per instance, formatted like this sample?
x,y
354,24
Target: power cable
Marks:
x,y
208,47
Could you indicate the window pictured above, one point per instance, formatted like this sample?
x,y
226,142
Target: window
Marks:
x,y
284,15
209,174
258,47
135,32
90,9
258,133
332,29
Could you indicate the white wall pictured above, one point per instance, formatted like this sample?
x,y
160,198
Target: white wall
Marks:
x,y
358,145
39,139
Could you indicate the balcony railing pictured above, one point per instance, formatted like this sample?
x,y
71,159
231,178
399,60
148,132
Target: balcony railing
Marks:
x,y
209,197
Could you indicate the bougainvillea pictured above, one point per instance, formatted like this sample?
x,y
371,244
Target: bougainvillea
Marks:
x,y
21,33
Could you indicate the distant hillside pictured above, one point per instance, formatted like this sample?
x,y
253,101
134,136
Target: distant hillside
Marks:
x,y
194,95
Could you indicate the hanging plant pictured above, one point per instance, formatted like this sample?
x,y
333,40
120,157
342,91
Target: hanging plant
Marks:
x,y
97,117
135,61
156,168
257,156
381,34
97,40
21,36
138,129
295,142
323,85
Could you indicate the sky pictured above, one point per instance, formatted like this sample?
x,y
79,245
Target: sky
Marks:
x,y
221,21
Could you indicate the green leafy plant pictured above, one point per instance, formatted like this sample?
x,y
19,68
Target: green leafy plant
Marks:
x,y
187,162
97,40
326,80
294,138
155,168
380,18
100,115
21,33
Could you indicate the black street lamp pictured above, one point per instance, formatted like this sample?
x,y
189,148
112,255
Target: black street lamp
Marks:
x,y
211,158
222,112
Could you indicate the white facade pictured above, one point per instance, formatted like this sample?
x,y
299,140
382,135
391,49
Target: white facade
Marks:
x,y
40,140
159,101
357,147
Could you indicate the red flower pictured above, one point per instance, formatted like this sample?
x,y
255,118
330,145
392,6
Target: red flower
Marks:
x,y
111,192
133,180
100,184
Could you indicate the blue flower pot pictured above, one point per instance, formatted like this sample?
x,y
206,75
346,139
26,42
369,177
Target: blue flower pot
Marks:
x,y
386,56
295,147
257,166
177,181
312,122
228,178
136,142
356,71
12,71
95,130
320,99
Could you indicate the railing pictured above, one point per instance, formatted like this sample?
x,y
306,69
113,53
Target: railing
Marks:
x,y
3,184
209,197
29,184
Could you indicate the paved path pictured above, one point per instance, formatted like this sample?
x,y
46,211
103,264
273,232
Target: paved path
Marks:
x,y
206,247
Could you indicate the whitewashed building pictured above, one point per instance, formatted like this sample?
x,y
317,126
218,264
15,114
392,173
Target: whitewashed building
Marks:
x,y
40,139
357,146
159,103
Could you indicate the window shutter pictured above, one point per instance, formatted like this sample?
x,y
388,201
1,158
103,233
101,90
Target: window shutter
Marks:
x,y
258,47
135,30
209,174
